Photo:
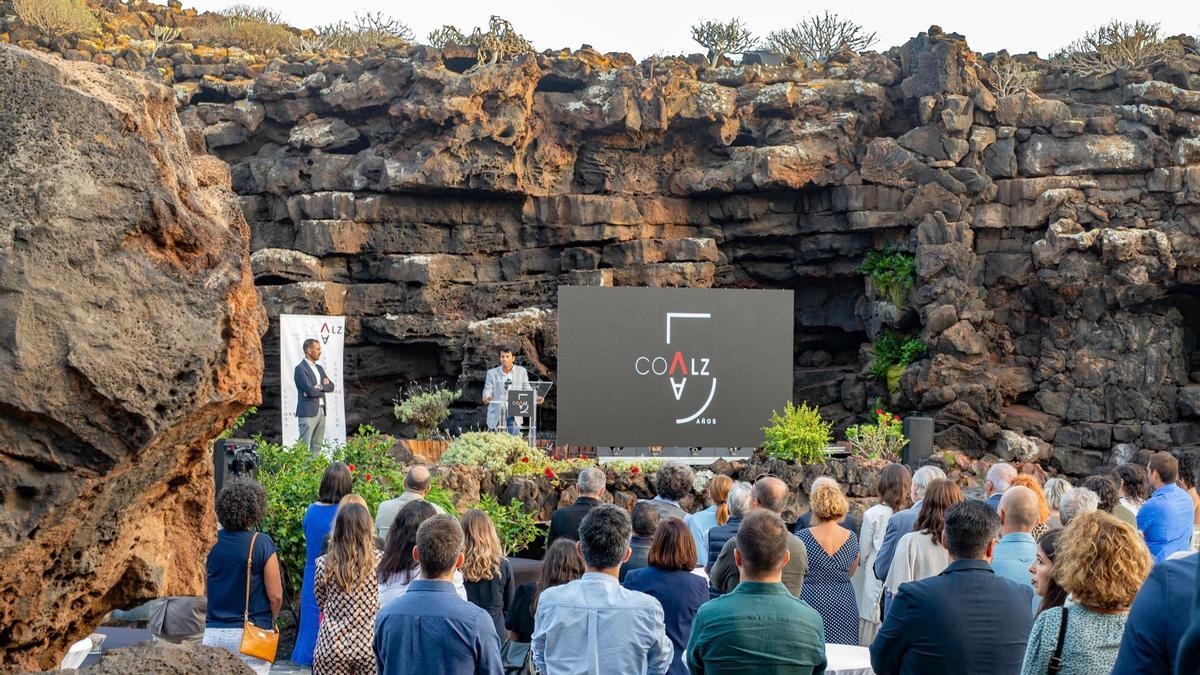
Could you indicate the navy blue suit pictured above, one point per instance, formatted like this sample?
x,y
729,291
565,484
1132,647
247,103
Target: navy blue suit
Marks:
x,y
680,593
310,391
1158,619
964,620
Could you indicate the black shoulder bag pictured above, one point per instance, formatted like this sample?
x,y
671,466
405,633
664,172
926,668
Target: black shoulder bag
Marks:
x,y
1056,660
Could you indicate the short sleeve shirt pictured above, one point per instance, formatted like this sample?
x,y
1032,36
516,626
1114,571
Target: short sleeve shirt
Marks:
x,y
227,580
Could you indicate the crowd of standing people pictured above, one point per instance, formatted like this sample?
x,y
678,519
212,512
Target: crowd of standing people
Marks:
x,y
1035,577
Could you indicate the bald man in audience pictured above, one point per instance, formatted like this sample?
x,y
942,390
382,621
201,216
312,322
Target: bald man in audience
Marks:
x,y
1017,549
416,486
771,494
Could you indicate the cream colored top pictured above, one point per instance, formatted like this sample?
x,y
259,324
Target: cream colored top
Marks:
x,y
917,557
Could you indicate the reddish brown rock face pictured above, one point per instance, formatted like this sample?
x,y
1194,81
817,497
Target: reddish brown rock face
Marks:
x,y
129,337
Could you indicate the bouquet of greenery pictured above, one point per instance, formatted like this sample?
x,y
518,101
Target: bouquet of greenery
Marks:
x,y
426,407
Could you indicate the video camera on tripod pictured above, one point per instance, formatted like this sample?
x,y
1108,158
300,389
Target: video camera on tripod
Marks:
x,y
233,457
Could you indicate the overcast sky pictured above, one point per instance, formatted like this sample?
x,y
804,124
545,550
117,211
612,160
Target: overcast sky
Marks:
x,y
646,27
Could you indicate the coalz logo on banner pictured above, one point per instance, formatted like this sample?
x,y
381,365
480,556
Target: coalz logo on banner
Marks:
x,y
678,370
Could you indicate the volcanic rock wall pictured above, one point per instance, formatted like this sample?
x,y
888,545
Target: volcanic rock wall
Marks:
x,y
130,336
439,205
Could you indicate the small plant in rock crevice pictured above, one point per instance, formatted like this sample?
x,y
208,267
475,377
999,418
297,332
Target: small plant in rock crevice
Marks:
x,y
893,271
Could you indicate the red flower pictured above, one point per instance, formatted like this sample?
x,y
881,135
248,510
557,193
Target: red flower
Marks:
x,y
525,459
634,469
367,478
896,418
549,472
878,412
351,468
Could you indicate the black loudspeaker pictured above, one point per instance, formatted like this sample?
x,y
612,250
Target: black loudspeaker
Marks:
x,y
919,431
233,457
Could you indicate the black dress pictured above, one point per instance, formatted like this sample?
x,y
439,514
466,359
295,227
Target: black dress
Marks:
x,y
520,615
494,595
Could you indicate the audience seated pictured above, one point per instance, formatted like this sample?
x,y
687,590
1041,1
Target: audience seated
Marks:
x,y
397,567
645,523
1017,549
347,594
565,521
771,494
760,627
1157,620
1167,517
672,483
487,574
717,513
739,506
593,624
1101,562
560,565
894,486
921,553
832,553
429,628
1076,502
999,479
668,578
964,620
416,486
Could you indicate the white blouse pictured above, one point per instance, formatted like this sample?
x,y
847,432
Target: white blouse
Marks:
x,y
917,557
867,588
397,586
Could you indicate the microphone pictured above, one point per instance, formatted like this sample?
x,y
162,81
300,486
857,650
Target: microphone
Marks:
x,y
507,383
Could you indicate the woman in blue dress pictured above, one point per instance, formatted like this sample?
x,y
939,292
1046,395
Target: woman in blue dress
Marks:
x,y
318,520
832,558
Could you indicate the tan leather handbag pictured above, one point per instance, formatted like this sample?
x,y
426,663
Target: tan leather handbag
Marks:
x,y
256,642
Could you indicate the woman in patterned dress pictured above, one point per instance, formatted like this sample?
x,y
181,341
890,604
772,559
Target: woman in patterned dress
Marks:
x,y
347,592
832,558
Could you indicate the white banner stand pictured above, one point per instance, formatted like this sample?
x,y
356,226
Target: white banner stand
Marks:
x,y
330,331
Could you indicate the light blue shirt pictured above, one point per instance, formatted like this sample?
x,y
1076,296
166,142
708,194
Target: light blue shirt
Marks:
x,y
493,385
700,523
1166,521
593,626
1013,555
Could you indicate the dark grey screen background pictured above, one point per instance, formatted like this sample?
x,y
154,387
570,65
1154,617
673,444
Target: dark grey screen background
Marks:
x,y
602,332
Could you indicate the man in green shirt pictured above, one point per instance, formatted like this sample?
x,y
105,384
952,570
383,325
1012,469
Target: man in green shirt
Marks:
x,y
760,628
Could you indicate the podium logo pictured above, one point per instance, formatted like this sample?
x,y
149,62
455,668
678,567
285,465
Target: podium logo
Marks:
x,y
679,370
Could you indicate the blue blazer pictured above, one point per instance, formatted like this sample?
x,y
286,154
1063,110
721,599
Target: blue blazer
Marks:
x,y
680,593
900,524
964,620
310,391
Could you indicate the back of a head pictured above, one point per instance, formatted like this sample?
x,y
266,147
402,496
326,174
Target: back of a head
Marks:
x,y
241,504
351,553
939,496
1077,501
771,494
1031,482
894,484
739,499
1107,490
1133,481
1020,508
1165,465
718,492
673,547
604,536
1189,468
1055,489
645,519
1001,475
418,479
401,538
591,482
335,483
674,481
762,543
923,477
828,503
1101,561
561,565
970,526
481,547
439,541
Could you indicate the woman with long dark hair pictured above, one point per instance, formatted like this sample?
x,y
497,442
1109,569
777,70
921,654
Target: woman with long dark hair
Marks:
x,y
318,520
560,565
397,568
347,593
920,554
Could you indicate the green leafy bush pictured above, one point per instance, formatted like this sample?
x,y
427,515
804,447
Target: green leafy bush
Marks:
x,y
893,349
800,434
426,407
635,466
516,528
882,440
893,272
57,18
492,450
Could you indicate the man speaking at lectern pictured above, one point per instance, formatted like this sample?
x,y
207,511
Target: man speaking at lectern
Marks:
x,y
495,391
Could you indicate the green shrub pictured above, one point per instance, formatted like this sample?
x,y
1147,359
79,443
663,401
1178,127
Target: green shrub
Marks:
x,y
635,466
516,528
800,434
57,18
495,451
426,407
892,271
893,349
254,29
882,440
817,37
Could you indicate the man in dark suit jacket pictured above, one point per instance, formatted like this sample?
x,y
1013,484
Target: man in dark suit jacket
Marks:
x,y
966,619
565,521
311,386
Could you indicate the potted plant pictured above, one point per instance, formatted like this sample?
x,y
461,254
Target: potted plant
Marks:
x,y
882,440
800,434
426,407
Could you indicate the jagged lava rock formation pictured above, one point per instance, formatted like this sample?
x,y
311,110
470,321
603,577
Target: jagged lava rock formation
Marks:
x,y
130,336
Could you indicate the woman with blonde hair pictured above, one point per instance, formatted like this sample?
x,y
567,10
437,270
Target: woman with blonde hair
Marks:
x,y
1101,562
486,572
347,593
717,513
1031,482
920,553
1054,490
894,485
832,553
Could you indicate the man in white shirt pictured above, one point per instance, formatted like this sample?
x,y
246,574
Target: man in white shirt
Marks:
x,y
495,391
311,386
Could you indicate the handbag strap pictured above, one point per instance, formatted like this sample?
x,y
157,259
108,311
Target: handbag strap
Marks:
x,y
249,559
1056,663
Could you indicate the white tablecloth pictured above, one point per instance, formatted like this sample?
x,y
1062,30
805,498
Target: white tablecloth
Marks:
x,y
848,660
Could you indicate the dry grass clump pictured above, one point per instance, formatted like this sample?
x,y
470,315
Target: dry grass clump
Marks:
x,y
818,37
254,29
1113,46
